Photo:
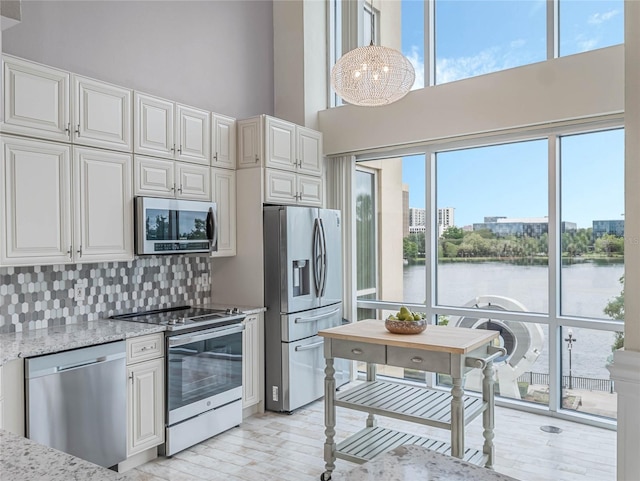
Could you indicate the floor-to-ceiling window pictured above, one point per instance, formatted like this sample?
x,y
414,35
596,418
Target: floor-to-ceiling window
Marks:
x,y
524,237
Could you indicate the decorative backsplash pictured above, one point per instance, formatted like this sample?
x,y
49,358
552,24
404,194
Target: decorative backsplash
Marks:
x,y
41,296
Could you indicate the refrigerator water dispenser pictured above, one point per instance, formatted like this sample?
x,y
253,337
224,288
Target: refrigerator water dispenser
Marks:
x,y
301,277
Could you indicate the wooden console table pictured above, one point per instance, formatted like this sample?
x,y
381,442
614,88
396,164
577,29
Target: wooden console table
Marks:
x,y
446,350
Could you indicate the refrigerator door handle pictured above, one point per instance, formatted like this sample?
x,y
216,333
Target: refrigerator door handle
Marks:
x,y
309,346
299,320
324,259
317,256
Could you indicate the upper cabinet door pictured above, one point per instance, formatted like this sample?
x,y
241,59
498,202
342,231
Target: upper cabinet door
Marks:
x,y
310,190
102,114
280,187
280,144
193,135
309,151
223,142
104,205
223,183
193,181
153,177
250,144
35,201
153,126
36,100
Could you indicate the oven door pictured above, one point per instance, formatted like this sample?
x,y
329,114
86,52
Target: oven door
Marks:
x,y
204,371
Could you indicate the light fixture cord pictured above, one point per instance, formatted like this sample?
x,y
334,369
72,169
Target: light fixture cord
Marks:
x,y
372,27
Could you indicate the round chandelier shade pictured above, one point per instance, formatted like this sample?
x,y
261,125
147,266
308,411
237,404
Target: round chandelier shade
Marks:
x,y
372,76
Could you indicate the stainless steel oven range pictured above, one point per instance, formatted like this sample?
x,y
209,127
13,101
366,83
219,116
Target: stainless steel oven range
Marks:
x,y
203,360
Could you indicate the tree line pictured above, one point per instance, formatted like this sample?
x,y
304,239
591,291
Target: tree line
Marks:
x,y
456,243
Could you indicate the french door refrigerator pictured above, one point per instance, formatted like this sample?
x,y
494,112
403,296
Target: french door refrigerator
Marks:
x,y
303,294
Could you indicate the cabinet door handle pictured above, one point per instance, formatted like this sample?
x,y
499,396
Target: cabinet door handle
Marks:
x,y
173,149
257,159
356,351
131,377
215,157
78,129
70,252
300,196
180,189
180,149
416,359
80,251
68,129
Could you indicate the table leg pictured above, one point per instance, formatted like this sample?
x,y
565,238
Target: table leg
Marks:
x,y
488,420
457,419
372,371
329,419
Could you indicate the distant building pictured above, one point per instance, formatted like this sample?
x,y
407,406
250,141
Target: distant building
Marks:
x,y
445,217
521,227
416,229
416,217
603,227
405,210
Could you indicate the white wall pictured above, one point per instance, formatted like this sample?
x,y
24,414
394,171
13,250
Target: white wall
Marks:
x,y
217,55
571,87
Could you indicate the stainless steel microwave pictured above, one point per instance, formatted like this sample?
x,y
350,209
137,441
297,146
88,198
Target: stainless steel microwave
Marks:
x,y
172,226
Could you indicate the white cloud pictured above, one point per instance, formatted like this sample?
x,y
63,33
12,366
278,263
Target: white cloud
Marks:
x,y
418,66
586,44
598,18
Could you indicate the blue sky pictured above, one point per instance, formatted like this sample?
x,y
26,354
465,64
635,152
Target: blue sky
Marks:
x,y
474,37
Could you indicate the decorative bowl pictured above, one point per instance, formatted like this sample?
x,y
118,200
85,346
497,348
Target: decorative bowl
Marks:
x,y
405,327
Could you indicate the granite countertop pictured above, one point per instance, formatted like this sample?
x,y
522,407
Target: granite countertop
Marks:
x,y
24,460
417,462
48,340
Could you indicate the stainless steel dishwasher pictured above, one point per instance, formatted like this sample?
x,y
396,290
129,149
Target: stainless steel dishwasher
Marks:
x,y
76,402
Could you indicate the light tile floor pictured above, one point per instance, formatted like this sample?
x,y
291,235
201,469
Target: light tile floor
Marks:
x,y
281,447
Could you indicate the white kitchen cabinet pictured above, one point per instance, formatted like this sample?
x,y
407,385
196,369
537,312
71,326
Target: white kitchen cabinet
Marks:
x,y
104,205
286,188
12,397
36,226
167,178
223,141
102,114
145,405
251,367
62,212
36,100
169,130
274,143
51,104
223,189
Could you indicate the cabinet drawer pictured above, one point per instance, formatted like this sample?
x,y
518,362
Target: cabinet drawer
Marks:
x,y
417,359
358,351
145,347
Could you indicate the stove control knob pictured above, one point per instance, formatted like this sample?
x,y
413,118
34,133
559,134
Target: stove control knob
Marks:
x,y
236,310
182,320
172,322
229,311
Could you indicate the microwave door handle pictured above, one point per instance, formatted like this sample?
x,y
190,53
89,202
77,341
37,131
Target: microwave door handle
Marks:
x,y
212,230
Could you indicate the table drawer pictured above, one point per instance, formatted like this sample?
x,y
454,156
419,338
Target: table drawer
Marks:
x,y
418,359
144,348
358,351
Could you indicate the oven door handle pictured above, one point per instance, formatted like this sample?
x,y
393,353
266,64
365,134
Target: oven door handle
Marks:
x,y
175,341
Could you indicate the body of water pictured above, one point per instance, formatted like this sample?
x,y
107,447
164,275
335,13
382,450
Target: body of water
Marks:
x,y
587,287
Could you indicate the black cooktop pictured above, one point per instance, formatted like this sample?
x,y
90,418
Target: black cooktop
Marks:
x,y
182,317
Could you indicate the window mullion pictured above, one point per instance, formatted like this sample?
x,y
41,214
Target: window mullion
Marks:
x,y
552,29
430,43
554,265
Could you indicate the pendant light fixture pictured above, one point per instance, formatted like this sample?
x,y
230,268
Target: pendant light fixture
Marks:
x,y
373,75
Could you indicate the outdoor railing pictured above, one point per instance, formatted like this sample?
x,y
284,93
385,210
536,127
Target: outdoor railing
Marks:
x,y
576,382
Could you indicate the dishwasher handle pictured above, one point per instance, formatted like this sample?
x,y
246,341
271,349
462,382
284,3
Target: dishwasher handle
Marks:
x,y
67,361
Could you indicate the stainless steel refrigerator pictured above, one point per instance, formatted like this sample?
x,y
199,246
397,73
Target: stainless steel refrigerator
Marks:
x,y
303,294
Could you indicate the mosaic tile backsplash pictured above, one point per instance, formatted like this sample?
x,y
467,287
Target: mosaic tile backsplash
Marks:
x,y
43,296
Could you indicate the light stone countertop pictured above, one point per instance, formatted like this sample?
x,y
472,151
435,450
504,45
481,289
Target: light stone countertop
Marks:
x,y
417,462
36,342
24,460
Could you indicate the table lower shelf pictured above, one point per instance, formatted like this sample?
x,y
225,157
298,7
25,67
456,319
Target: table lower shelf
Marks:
x,y
369,442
